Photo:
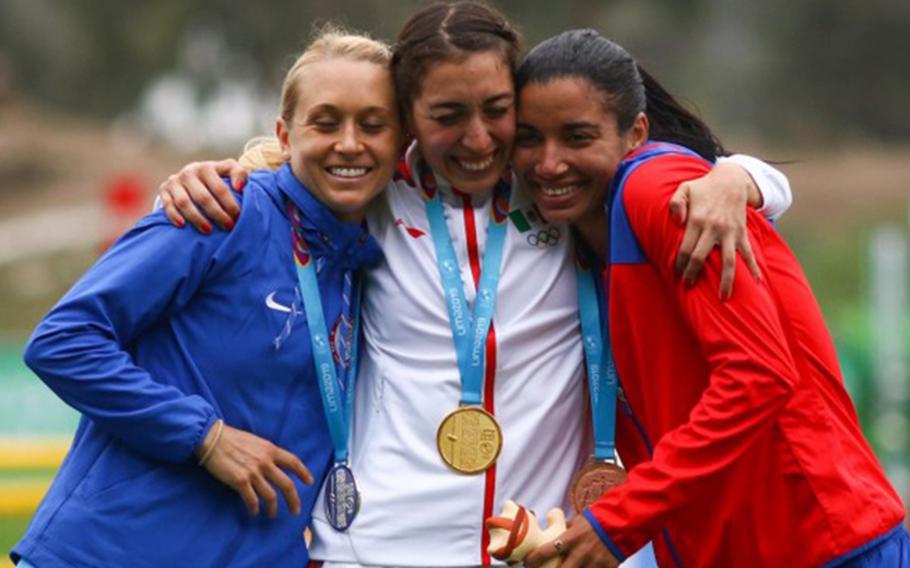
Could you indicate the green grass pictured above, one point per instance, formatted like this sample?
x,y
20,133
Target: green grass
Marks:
x,y
11,530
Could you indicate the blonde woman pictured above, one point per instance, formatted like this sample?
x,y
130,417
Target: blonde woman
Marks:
x,y
183,351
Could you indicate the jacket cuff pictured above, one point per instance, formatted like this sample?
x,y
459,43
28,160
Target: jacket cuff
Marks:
x,y
604,537
200,436
201,430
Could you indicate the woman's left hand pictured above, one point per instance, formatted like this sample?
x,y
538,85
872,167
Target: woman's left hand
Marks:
x,y
713,208
254,467
579,547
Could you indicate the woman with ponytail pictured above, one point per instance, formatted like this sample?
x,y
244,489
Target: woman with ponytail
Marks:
x,y
741,444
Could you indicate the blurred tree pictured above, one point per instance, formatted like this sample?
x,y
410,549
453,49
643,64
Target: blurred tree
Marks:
x,y
809,71
838,69
91,56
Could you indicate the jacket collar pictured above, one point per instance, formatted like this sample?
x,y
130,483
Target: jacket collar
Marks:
x,y
325,234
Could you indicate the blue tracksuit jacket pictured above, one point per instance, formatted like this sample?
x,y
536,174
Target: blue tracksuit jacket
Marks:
x,y
167,332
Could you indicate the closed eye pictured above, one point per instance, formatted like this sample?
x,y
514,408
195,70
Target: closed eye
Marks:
x,y
447,119
496,112
373,127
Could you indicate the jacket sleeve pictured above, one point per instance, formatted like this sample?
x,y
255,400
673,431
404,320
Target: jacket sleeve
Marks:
x,y
751,370
81,348
771,182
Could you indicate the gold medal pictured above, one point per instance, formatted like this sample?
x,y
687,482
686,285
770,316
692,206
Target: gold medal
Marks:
x,y
469,440
594,480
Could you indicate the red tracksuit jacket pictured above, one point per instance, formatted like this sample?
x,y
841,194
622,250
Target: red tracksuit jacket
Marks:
x,y
743,446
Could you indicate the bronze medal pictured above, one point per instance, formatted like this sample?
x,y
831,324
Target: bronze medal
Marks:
x,y
594,480
469,440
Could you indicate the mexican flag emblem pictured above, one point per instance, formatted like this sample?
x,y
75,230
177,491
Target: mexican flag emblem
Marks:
x,y
527,218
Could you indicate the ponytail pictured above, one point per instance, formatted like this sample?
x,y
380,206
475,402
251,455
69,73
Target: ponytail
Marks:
x,y
263,152
672,122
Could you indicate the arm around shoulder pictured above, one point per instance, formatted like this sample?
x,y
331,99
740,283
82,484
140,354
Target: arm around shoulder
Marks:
x,y
773,186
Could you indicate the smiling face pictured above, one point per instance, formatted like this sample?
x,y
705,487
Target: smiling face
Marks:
x,y
343,141
464,120
569,146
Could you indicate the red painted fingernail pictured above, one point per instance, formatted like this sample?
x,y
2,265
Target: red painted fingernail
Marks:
x,y
229,224
206,228
181,223
240,184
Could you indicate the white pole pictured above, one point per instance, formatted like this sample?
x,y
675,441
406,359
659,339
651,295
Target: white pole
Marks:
x,y
889,303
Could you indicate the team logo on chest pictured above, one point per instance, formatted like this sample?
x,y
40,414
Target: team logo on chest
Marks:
x,y
532,225
526,219
291,308
546,237
414,232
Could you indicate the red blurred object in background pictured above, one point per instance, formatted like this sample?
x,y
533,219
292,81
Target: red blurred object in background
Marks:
x,y
126,199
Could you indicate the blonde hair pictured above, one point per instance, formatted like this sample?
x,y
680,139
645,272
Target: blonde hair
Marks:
x,y
331,42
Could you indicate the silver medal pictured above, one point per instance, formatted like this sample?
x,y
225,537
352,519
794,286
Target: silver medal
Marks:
x,y
342,501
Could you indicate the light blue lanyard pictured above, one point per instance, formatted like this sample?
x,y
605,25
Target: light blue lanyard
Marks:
x,y
602,376
337,412
469,330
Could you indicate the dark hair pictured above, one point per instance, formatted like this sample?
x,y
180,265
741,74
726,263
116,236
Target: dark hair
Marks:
x,y
627,88
445,31
671,122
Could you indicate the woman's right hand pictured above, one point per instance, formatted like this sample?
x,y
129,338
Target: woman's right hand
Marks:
x,y
251,466
200,184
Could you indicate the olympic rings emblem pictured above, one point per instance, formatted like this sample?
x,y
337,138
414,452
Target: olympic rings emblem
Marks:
x,y
548,237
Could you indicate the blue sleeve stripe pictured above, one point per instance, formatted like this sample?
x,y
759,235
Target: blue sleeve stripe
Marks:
x,y
603,535
624,245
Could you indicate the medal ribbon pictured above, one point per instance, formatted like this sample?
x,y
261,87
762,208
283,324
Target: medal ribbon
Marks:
x,y
332,386
469,330
602,377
